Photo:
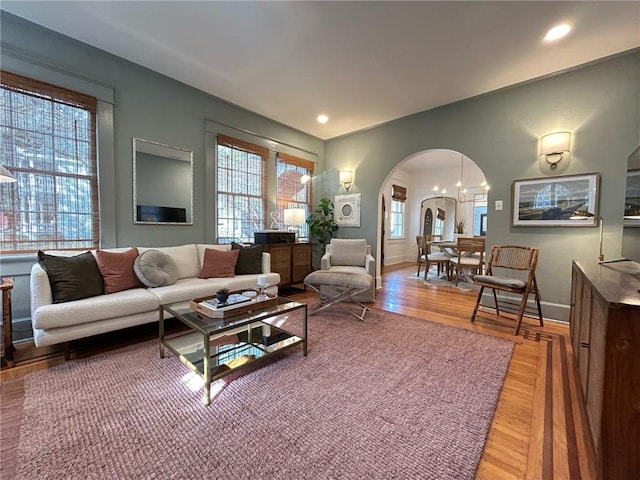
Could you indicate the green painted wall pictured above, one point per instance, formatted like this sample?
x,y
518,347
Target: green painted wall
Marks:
x,y
146,105
599,104
150,106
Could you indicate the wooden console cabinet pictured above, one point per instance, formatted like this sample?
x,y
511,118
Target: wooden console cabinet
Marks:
x,y
291,260
605,335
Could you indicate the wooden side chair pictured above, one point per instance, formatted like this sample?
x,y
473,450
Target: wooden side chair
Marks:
x,y
470,256
432,256
511,269
422,249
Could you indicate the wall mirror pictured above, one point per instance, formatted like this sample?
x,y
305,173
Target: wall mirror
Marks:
x,y
632,195
162,184
438,215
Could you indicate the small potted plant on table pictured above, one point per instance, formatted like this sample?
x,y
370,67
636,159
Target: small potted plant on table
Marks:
x,y
222,295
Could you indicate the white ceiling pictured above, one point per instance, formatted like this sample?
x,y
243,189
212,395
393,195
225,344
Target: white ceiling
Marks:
x,y
361,63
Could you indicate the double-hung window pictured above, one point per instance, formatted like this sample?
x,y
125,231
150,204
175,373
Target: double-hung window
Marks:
x,y
398,197
241,189
48,142
293,191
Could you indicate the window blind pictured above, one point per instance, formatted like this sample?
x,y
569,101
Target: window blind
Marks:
x,y
399,194
48,142
241,189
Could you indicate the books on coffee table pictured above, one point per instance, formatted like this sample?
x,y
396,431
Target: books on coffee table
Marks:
x,y
236,304
234,299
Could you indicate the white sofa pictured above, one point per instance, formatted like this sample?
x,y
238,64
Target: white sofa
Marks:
x,y
55,323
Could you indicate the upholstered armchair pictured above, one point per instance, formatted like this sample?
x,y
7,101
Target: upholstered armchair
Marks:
x,y
350,256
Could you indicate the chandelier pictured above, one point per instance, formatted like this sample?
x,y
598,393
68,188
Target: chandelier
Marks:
x,y
462,190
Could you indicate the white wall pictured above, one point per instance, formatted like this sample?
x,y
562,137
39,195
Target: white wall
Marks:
x,y
400,249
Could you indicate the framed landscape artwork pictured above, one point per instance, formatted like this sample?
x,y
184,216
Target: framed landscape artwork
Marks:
x,y
552,201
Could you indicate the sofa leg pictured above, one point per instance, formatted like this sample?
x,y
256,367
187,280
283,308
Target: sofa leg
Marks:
x,y
66,350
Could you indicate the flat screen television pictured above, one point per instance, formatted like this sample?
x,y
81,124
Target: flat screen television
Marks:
x,y
152,213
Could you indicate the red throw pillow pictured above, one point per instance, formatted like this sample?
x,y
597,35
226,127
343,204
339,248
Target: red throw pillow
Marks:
x,y
117,270
219,263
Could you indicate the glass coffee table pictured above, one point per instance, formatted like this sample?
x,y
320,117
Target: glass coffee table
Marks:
x,y
216,347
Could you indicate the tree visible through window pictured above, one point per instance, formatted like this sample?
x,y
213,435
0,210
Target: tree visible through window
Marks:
x,y
241,199
47,140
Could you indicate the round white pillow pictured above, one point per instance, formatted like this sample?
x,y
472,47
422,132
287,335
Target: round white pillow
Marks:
x,y
155,269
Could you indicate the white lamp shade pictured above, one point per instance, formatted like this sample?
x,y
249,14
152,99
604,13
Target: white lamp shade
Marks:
x,y
346,176
555,143
6,175
294,216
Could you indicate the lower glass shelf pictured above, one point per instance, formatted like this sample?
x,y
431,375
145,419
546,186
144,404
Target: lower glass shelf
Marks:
x,y
230,351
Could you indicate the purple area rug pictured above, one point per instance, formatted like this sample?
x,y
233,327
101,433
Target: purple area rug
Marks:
x,y
391,397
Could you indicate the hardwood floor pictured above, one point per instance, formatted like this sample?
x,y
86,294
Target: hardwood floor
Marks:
x,y
539,430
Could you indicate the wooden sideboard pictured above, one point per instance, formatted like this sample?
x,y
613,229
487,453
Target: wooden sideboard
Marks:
x,y
291,260
605,335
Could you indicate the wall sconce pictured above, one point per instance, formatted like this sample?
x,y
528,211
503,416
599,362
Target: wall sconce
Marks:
x,y
552,146
294,217
586,215
6,175
346,179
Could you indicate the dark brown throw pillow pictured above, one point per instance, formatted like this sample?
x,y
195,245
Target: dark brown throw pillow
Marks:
x,y
219,263
117,270
249,258
72,278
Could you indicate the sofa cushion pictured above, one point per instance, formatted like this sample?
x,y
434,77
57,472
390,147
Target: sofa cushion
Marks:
x,y
184,256
95,309
249,258
155,268
72,278
187,289
201,248
117,270
218,263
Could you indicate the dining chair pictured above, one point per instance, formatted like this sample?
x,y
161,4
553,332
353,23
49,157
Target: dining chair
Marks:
x,y
469,256
422,248
434,255
511,269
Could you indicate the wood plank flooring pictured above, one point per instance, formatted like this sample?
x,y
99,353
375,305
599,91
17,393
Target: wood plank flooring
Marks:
x,y
539,430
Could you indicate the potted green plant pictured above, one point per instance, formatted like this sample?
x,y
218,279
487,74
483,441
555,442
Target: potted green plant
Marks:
x,y
322,225
458,226
222,295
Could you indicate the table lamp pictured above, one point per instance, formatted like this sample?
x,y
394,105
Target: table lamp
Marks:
x,y
294,217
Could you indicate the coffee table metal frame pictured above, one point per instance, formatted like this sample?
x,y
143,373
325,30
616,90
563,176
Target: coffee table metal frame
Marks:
x,y
193,346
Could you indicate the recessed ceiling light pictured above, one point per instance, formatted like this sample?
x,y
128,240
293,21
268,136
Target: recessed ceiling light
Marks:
x,y
557,32
323,118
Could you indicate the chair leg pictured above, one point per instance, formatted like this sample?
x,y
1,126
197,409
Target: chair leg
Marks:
x,y
523,305
495,301
426,270
537,296
475,309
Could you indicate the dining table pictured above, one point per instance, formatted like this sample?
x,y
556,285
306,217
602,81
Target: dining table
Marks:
x,y
450,249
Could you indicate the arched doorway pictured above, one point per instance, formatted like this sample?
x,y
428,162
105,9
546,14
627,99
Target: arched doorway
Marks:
x,y
421,172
